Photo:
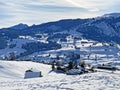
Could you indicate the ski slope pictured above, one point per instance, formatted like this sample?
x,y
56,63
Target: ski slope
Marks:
x,y
12,78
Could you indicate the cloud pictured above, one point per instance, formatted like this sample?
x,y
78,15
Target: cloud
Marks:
x,y
94,5
54,8
39,11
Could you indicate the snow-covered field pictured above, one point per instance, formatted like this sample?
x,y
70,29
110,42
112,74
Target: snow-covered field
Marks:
x,y
12,78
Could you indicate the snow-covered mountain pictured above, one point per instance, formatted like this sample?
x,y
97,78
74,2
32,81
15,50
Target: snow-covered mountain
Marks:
x,y
52,35
112,15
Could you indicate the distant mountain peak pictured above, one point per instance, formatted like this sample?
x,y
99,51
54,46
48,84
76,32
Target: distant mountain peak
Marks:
x,y
112,15
20,26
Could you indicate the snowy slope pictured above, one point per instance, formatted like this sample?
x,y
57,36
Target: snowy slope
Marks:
x,y
112,15
18,45
16,69
12,73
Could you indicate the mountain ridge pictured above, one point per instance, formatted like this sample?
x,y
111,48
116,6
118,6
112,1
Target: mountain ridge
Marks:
x,y
47,35
19,26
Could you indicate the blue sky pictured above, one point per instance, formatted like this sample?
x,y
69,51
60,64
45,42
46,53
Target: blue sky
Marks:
x,y
40,11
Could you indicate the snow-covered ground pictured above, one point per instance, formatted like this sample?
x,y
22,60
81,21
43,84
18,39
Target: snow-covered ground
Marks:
x,y
18,45
12,78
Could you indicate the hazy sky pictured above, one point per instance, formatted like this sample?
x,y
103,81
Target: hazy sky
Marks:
x,y
39,11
